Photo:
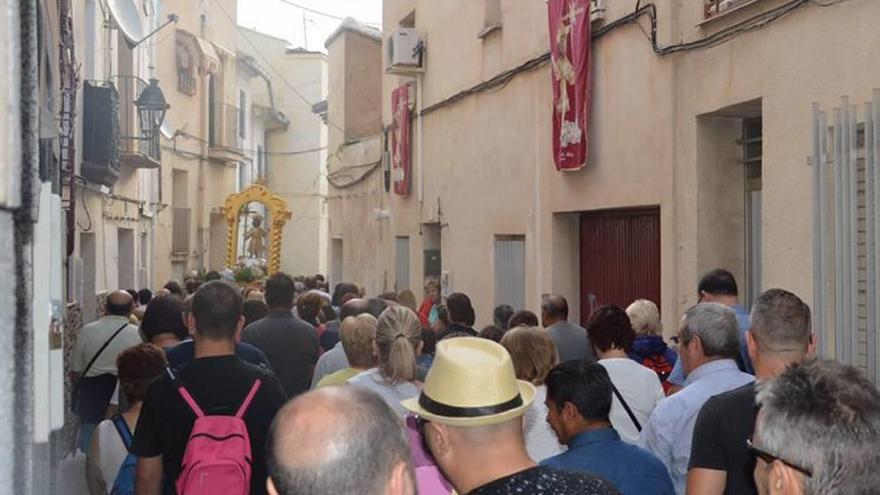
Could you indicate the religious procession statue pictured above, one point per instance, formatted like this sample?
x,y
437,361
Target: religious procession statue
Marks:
x,y
255,238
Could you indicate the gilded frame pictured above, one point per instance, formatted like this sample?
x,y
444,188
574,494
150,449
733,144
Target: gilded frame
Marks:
x,y
278,214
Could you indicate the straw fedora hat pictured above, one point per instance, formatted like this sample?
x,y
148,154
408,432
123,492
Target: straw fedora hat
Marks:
x,y
471,383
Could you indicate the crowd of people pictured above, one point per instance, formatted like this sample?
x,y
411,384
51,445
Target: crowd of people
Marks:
x,y
209,388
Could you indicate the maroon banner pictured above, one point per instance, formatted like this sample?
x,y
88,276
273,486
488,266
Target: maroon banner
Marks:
x,y
400,162
572,81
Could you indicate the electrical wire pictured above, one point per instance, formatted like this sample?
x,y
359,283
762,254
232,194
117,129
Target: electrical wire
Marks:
x,y
325,14
276,71
649,10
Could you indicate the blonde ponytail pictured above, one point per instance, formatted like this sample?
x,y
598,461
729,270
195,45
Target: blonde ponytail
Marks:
x,y
398,339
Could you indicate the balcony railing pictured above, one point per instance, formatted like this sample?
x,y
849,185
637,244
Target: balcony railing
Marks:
x,y
716,7
135,148
180,230
224,131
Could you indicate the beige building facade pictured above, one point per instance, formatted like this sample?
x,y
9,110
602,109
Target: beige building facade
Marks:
x,y
708,146
295,156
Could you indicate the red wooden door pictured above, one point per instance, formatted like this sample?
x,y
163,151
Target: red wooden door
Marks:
x,y
620,258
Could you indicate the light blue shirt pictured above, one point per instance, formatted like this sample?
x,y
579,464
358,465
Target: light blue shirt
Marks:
x,y
670,428
677,377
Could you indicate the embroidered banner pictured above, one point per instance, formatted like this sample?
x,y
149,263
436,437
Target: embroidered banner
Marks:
x,y
400,162
572,81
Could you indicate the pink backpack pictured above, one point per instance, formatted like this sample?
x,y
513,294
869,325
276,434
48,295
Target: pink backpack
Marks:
x,y
218,453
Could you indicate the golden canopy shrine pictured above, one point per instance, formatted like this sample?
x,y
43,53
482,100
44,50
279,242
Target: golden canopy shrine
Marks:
x,y
255,221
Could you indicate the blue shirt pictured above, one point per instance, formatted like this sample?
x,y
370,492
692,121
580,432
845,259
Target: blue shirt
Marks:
x,y
670,429
743,321
184,352
633,470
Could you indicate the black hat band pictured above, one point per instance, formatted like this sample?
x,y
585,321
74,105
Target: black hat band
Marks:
x,y
440,409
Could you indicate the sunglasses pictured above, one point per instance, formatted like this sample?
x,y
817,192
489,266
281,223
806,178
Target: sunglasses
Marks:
x,y
769,458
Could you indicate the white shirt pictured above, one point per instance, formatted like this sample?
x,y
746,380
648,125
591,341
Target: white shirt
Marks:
x,y
641,389
111,451
541,441
93,336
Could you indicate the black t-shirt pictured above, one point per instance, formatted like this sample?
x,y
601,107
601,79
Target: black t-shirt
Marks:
x,y
542,480
219,385
724,424
290,344
456,328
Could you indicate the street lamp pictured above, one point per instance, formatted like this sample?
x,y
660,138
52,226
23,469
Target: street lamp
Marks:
x,y
151,107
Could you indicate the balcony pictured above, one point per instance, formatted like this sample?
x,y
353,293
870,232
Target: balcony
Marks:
x,y
715,8
180,230
135,148
224,136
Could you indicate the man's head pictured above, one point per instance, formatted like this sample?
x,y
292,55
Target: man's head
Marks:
x,y
377,306
145,296
341,290
781,327
357,334
578,398
460,309
502,315
174,288
339,440
609,328
119,303
821,418
522,318
708,332
717,285
471,408
279,292
212,276
354,307
554,308
216,312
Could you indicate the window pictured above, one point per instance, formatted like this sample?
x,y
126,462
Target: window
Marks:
x,y
336,273
752,159
186,67
491,18
401,273
716,7
242,114
510,270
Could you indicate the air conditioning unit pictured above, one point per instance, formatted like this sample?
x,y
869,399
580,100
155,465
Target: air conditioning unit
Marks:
x,y
405,52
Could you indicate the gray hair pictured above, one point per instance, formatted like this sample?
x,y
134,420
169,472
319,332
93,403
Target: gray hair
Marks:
x,y
349,443
644,317
781,322
823,416
715,324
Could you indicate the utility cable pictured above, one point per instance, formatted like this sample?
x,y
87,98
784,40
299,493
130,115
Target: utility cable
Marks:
x,y
324,14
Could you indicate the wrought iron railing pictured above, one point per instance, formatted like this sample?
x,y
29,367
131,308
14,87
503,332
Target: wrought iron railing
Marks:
x,y
715,7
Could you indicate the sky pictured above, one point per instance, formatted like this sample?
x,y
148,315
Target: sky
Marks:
x,y
280,19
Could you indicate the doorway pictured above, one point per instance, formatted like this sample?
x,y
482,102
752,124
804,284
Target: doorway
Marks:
x,y
620,258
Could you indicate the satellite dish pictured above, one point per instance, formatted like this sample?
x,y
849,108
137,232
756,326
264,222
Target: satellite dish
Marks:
x,y
128,19
167,129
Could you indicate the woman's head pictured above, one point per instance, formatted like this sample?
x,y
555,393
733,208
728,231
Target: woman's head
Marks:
x,y
644,317
432,289
357,334
408,299
609,328
309,305
398,343
532,351
137,366
164,315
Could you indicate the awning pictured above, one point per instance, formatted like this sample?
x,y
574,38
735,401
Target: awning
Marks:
x,y
208,60
128,19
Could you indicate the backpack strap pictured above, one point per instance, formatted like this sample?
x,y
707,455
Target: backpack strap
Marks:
x,y
623,403
247,400
122,429
185,393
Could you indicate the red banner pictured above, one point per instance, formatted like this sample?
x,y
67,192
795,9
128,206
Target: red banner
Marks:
x,y
400,162
572,81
